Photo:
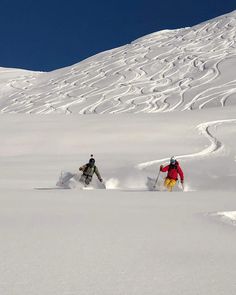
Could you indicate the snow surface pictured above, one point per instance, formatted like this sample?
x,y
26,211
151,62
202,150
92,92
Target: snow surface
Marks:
x,y
190,68
229,216
125,240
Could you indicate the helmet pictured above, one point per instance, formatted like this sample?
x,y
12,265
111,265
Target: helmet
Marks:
x,y
92,161
173,160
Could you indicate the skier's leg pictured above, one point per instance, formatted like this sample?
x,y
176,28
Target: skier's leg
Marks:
x,y
172,184
166,183
82,178
88,180
169,184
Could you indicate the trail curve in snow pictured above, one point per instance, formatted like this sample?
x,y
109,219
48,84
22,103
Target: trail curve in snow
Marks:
x,y
203,128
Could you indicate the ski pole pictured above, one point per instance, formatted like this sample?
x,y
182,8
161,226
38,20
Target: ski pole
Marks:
x,y
156,179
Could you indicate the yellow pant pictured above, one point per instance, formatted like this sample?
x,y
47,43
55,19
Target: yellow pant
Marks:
x,y
169,184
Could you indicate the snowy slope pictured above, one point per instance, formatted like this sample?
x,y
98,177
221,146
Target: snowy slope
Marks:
x,y
126,240
190,68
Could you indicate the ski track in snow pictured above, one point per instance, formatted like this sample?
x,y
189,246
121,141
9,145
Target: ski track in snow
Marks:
x,y
214,147
182,69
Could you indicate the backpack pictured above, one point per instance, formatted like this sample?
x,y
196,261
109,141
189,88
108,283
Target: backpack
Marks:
x,y
87,167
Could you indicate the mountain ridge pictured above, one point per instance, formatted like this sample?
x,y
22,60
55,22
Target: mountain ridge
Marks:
x,y
182,69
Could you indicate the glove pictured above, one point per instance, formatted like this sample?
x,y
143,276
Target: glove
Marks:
x,y
100,180
182,181
161,167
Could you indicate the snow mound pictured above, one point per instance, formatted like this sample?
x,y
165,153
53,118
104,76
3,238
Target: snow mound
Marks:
x,y
67,180
228,216
112,183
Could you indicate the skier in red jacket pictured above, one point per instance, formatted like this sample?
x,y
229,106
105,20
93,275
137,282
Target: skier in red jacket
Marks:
x,y
173,170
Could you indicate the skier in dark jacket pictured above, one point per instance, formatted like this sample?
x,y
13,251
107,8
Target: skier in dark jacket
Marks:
x,y
88,170
173,170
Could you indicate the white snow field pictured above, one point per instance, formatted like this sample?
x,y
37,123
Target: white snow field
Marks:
x,y
169,93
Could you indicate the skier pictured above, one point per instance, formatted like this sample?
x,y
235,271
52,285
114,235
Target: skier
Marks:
x,y
173,169
88,170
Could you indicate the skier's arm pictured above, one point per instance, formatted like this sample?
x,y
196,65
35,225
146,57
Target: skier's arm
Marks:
x,y
164,169
98,174
82,168
181,174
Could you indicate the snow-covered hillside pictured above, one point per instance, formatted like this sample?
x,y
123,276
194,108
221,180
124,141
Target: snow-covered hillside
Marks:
x,y
190,68
127,239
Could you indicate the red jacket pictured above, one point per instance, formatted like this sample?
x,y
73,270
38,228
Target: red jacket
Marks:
x,y
173,171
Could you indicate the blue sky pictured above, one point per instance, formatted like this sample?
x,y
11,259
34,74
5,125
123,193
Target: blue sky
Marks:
x,y
48,34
